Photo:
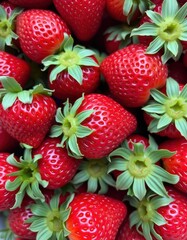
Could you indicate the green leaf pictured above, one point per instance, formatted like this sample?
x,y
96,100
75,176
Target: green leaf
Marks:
x,y
146,29
167,54
164,121
88,62
85,53
154,108
56,131
76,105
169,9
76,73
124,181
138,149
173,47
8,100
40,210
158,96
146,230
13,185
158,201
25,96
68,43
92,185
158,219
3,14
127,6
38,224
154,16
55,72
139,188
155,46
83,131
10,84
181,13
172,88
181,125
166,177
183,36
156,186
45,233
117,164
80,177
73,146
158,154
183,93
83,115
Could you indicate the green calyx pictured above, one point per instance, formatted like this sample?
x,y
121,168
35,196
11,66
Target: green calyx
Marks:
x,y
69,126
28,178
49,220
12,90
168,108
70,59
168,29
94,172
139,169
131,6
7,25
121,33
146,216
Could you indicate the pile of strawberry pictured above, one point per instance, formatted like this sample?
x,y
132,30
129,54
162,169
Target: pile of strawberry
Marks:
x,y
93,119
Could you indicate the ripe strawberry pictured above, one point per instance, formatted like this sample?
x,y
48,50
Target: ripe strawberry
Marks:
x,y
32,4
7,27
7,143
177,164
55,166
26,115
40,32
159,217
7,198
131,74
82,16
93,126
12,66
127,10
168,28
95,217
74,71
168,110
139,170
178,71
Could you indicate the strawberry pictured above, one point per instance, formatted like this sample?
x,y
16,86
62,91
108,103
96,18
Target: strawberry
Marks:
x,y
82,16
32,4
168,29
8,15
160,217
93,126
7,143
138,169
178,71
127,10
26,115
7,198
74,71
168,110
177,164
40,32
14,67
95,217
55,166
131,74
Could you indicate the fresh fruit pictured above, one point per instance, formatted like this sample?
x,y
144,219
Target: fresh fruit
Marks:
x,y
95,217
74,71
40,32
93,126
177,164
55,166
12,66
32,4
82,16
131,74
168,110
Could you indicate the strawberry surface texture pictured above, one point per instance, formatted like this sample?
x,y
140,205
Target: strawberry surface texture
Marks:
x,y
93,119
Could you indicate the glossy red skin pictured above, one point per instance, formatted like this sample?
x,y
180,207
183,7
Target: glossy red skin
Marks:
x,y
7,143
41,33
82,16
55,166
111,124
131,74
95,217
29,123
65,86
177,164
32,4
17,218
115,9
15,67
176,216
7,198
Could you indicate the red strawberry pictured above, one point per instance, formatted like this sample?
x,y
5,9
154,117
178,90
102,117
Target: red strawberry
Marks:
x,y
168,110
95,217
7,143
168,29
131,74
126,10
74,71
55,166
32,4
40,32
178,71
7,198
26,115
15,67
82,16
177,164
93,126
161,218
